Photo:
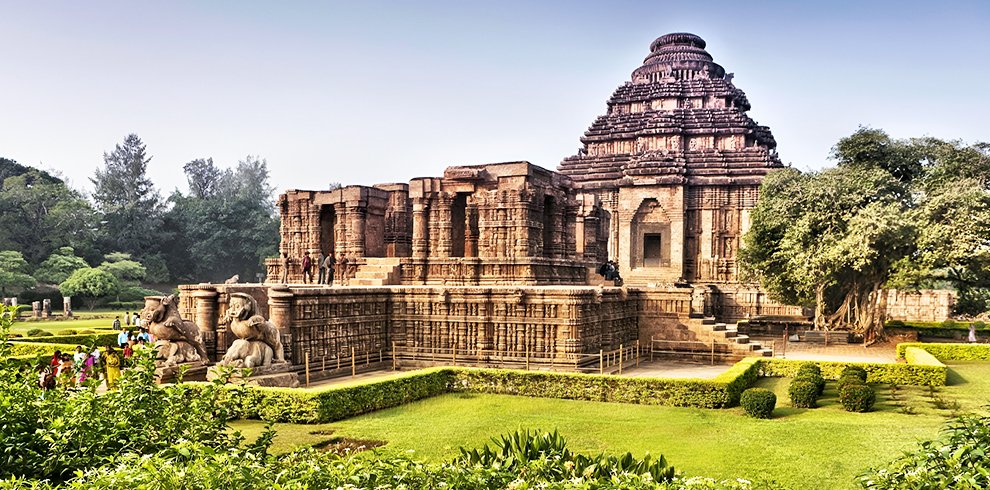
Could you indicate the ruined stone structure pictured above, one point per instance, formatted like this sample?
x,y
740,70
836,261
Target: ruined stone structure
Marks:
x,y
505,223
494,264
677,165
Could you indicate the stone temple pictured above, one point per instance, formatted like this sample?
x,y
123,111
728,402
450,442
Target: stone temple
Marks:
x,y
495,264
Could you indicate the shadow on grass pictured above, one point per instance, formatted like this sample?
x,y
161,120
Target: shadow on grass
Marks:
x,y
954,378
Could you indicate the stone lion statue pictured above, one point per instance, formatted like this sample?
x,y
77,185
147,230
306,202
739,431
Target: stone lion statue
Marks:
x,y
258,343
177,340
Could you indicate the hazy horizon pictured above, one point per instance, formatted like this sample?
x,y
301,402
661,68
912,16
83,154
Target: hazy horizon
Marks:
x,y
375,92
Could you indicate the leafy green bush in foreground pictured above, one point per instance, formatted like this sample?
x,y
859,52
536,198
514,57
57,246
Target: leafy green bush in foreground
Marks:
x,y
958,459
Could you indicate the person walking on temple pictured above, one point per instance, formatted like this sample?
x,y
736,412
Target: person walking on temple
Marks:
x,y
116,323
328,263
284,265
342,266
127,318
322,276
307,268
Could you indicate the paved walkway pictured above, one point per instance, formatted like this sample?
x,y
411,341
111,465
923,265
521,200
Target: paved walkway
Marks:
x,y
881,353
675,369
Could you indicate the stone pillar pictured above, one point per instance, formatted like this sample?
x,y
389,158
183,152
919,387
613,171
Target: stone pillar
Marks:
x,y
36,309
358,215
340,228
440,240
421,228
471,231
46,308
67,306
280,299
206,317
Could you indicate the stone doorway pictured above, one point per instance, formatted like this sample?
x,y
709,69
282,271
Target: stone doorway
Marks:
x,y
328,226
652,250
463,227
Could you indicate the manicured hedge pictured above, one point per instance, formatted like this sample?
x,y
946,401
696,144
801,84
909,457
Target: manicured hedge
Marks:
x,y
333,403
39,348
898,373
645,391
84,339
337,403
949,352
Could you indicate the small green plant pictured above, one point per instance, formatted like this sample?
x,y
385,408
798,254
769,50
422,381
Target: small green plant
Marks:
x,y
945,403
857,397
758,402
35,332
907,410
803,393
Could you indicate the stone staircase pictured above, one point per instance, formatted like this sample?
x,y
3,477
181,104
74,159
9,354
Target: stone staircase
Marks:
x,y
378,271
707,329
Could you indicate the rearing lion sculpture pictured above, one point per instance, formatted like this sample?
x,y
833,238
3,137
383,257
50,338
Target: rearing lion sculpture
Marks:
x,y
166,324
249,326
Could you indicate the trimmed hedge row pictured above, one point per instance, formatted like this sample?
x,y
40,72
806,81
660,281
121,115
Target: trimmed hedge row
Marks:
x,y
949,352
300,406
337,403
901,374
84,339
39,348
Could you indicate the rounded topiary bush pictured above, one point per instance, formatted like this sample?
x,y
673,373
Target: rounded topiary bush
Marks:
x,y
857,397
855,371
803,393
848,379
758,402
68,331
37,332
809,368
817,379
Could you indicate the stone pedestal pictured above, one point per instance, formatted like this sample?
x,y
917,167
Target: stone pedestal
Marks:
x,y
174,352
275,375
194,371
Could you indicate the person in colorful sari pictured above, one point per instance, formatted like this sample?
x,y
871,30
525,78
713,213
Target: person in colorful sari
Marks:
x,y
112,361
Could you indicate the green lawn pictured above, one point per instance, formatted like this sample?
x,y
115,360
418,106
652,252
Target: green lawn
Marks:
x,y
92,320
800,448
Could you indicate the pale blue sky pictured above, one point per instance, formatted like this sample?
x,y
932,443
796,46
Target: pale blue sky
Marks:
x,y
368,92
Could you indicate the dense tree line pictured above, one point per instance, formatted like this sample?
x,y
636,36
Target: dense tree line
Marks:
x,y
911,213
224,225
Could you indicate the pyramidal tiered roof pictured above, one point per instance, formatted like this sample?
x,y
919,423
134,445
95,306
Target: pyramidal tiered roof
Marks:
x,y
679,121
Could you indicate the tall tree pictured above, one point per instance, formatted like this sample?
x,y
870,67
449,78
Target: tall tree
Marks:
x,y
39,213
893,213
13,272
59,266
130,204
205,179
226,225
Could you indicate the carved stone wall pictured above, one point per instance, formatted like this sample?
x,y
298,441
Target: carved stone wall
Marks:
x,y
550,326
928,305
